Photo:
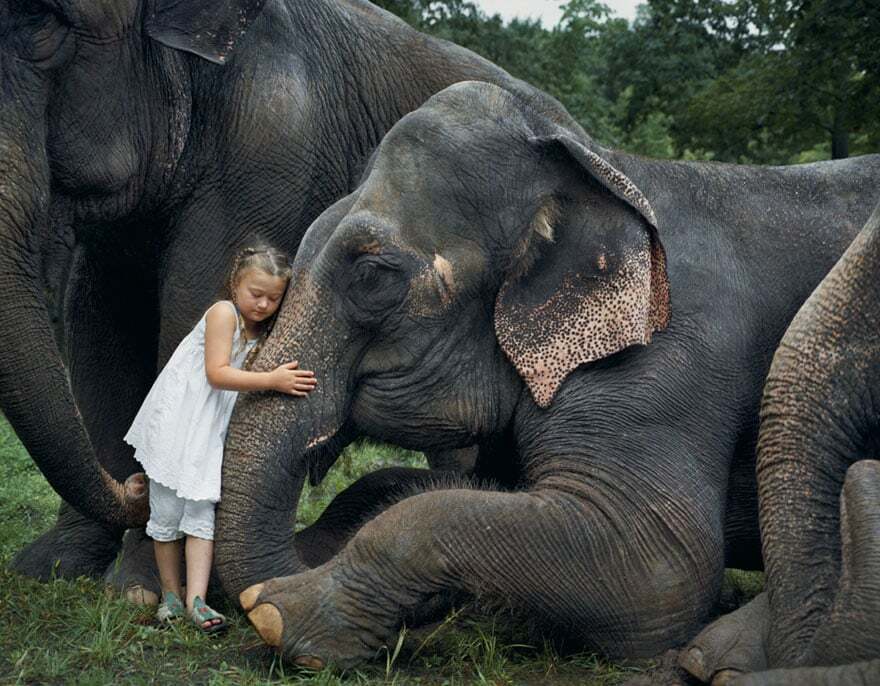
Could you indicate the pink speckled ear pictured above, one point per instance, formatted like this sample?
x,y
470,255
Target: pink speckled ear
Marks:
x,y
208,28
598,283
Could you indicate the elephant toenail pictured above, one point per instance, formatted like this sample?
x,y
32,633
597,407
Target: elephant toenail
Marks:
x,y
267,620
248,597
692,661
138,595
725,677
309,662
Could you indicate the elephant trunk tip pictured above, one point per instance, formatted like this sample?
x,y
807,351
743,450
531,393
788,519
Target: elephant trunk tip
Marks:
x,y
132,498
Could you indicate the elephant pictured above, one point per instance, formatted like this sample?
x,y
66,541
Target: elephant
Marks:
x,y
142,142
819,493
598,324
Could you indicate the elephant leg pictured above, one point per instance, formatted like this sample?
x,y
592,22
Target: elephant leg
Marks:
x,y
134,573
74,546
356,505
856,674
110,346
556,558
736,643
851,633
732,645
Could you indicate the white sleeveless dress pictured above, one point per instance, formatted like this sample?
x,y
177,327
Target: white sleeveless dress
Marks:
x,y
178,433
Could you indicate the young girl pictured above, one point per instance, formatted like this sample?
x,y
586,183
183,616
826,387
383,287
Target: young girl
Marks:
x,y
179,431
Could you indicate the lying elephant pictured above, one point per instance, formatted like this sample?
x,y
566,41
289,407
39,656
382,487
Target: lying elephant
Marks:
x,y
141,141
819,495
493,281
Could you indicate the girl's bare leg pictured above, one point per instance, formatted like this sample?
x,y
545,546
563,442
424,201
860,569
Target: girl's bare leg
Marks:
x,y
168,561
199,555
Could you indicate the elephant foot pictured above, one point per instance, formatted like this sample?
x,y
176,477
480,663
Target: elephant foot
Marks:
x,y
731,646
662,670
134,574
855,674
74,547
304,618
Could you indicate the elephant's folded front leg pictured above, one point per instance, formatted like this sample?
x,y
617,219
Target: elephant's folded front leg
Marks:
x,y
552,556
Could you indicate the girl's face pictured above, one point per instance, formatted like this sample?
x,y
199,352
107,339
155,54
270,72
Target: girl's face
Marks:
x,y
258,294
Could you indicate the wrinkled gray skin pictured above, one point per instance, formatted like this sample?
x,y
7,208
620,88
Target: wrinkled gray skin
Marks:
x,y
819,488
141,141
488,246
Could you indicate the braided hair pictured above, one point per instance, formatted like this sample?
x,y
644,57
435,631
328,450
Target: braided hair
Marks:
x,y
269,260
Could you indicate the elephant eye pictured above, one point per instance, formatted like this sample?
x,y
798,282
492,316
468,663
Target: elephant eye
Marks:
x,y
367,272
371,270
377,284
40,32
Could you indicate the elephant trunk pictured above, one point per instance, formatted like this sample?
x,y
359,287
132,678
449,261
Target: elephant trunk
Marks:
x,y
271,444
262,480
35,391
817,419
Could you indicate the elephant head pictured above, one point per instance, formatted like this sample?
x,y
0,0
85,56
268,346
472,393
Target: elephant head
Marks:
x,y
94,119
486,253
818,475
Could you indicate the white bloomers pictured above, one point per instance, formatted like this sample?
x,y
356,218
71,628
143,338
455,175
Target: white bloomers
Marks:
x,y
173,517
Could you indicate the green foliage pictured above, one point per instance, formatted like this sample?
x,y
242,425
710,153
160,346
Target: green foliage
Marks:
x,y
789,76
30,503
356,460
775,81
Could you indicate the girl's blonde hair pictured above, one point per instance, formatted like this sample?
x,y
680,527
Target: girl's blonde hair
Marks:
x,y
269,260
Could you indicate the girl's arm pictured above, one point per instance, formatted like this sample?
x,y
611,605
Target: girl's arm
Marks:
x,y
220,327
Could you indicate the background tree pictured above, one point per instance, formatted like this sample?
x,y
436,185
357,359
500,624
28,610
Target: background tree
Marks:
x,y
767,81
793,76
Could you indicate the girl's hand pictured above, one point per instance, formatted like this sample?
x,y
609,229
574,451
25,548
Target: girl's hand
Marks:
x,y
293,381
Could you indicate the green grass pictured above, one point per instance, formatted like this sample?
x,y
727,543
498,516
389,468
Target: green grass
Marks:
x,y
74,632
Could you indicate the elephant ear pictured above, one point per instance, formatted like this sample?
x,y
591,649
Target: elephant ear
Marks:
x,y
592,279
207,28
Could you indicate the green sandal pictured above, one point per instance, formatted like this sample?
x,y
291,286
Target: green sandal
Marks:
x,y
201,613
170,608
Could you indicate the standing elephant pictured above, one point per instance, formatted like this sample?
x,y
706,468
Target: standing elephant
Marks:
x,y
819,489
141,141
496,280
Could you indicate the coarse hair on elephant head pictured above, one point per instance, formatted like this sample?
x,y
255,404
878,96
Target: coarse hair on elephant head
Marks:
x,y
95,116
483,233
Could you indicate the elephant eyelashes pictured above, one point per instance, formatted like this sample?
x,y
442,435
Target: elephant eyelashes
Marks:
x,y
44,33
368,272
376,286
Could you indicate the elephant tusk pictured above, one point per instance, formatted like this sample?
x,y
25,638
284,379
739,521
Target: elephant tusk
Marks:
x,y
267,620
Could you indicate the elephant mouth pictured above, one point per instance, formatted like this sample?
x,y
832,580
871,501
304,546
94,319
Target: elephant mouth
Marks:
x,y
322,451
